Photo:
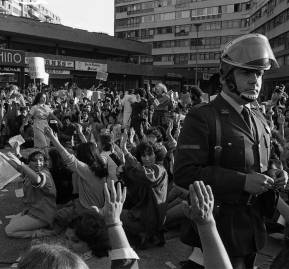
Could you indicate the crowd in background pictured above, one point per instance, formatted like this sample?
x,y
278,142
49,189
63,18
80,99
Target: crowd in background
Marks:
x,y
85,140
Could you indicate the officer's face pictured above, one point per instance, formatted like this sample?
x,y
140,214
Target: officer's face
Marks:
x,y
248,83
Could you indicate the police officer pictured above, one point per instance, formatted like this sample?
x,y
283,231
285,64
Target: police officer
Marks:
x,y
226,143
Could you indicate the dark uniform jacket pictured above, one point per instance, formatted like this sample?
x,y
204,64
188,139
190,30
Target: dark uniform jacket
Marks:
x,y
240,218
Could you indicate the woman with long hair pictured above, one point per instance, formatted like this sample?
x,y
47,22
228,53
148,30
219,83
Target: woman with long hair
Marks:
x,y
41,113
39,198
89,171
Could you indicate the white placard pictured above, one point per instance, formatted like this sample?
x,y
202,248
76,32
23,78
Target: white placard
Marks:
x,y
17,138
36,67
45,79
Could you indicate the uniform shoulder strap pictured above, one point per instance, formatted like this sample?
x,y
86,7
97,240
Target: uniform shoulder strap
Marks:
x,y
218,140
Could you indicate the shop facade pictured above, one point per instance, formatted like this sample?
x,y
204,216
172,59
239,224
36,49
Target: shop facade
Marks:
x,y
12,63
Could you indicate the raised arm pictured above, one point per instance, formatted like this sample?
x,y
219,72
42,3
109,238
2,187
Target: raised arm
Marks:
x,y
121,254
36,179
200,211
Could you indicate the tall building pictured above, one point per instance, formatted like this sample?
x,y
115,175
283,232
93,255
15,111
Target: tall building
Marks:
x,y
28,8
185,34
271,18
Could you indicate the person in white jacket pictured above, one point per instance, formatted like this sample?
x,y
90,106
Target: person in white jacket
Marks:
x,y
126,102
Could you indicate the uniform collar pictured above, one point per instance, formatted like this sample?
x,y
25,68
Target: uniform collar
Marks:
x,y
233,103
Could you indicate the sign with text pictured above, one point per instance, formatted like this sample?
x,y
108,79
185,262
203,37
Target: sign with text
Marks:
x,y
56,63
101,76
90,66
59,63
9,69
58,72
12,57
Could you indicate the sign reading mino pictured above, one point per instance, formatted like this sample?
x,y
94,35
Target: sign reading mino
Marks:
x,y
12,57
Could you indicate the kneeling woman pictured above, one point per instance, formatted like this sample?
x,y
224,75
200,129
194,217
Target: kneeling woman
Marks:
x,y
39,198
147,184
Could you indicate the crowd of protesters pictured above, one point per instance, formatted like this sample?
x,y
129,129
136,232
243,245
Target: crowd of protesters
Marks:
x,y
102,169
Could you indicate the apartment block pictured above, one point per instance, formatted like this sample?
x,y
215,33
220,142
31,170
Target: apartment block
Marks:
x,y
190,34
28,8
271,18
184,34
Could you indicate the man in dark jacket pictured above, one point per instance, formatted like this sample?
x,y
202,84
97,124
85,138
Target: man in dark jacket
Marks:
x,y
226,143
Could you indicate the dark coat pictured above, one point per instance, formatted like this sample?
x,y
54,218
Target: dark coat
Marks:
x,y
241,226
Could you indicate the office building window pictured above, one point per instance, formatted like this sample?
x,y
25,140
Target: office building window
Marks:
x,y
182,43
147,5
165,16
164,30
183,14
181,58
183,29
164,3
148,18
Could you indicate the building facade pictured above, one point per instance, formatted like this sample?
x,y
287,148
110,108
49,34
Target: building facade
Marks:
x,y
75,55
185,34
271,18
191,33
28,8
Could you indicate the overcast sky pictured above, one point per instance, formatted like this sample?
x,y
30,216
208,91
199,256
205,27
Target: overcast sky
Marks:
x,y
91,15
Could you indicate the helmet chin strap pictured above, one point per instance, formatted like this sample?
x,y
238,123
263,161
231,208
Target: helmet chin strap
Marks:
x,y
233,88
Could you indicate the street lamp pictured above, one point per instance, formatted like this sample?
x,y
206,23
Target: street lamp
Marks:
x,y
197,25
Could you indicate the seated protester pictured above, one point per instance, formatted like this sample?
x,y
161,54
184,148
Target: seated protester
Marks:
x,y
101,230
147,188
39,198
88,232
155,137
62,177
51,256
66,133
89,173
112,160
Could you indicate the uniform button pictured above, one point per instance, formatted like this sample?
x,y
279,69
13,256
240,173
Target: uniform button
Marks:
x,y
229,144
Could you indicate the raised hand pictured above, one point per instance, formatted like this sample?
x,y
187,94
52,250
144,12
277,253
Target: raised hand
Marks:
x,y
114,200
201,205
49,132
